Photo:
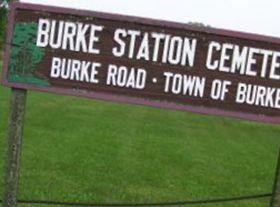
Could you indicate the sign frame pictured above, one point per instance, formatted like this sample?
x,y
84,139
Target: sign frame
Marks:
x,y
127,99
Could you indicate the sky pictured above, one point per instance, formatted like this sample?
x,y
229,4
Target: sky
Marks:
x,y
253,16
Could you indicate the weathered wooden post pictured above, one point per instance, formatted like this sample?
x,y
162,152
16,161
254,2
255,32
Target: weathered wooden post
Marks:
x,y
14,141
275,199
14,145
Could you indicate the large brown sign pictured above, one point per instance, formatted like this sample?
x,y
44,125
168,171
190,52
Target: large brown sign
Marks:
x,y
143,61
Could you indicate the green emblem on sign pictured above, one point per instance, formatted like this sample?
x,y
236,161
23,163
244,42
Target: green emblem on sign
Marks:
x,y
25,55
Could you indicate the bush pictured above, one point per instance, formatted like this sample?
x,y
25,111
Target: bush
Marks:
x,y
3,23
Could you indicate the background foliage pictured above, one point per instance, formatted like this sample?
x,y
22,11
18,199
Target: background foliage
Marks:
x,y
3,22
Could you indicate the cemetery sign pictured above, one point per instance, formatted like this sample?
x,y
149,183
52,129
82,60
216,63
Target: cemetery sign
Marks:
x,y
143,61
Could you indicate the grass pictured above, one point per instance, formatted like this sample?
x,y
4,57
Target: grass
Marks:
x,y
85,150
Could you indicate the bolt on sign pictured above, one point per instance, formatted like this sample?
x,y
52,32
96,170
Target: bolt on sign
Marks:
x,y
143,61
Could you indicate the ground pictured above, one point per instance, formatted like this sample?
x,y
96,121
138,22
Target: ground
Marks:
x,y
77,149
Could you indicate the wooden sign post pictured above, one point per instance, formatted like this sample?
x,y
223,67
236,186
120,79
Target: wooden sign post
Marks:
x,y
15,132
139,61
14,145
275,199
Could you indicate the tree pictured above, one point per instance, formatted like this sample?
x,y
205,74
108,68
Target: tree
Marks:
x,y
25,55
3,22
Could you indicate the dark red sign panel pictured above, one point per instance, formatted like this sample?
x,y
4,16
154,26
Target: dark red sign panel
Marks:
x,y
143,61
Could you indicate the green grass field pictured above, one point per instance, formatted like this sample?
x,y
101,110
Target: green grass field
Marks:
x,y
77,149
